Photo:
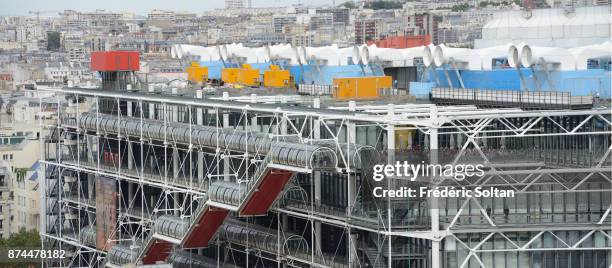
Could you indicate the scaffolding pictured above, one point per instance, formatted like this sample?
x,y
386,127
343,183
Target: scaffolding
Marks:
x,y
144,178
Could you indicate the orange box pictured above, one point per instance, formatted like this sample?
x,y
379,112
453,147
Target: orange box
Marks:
x,y
197,73
277,78
360,87
248,76
230,75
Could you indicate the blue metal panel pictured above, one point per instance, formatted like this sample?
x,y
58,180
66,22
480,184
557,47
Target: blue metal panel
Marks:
x,y
214,68
261,66
594,82
324,75
421,90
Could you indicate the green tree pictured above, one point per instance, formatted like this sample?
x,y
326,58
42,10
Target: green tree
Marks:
x,y
21,173
348,4
22,239
53,41
376,5
460,7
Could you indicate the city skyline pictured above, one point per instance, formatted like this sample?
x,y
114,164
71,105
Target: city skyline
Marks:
x,y
13,8
257,133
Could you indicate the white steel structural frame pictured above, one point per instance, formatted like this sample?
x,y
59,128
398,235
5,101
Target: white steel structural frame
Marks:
x,y
475,125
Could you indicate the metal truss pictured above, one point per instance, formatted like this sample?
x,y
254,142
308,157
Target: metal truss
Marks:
x,y
182,170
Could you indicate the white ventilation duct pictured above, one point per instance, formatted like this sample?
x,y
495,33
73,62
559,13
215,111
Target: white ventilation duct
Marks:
x,y
266,51
487,55
463,58
173,51
233,46
221,51
514,55
329,55
262,54
482,59
178,51
183,51
302,55
275,48
244,54
228,51
360,56
249,55
404,56
286,52
365,55
204,53
380,54
428,59
560,58
212,54
407,55
352,52
583,54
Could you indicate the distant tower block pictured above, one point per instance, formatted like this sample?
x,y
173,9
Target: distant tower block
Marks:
x,y
236,4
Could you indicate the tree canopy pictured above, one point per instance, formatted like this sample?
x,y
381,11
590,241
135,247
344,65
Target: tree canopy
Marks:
x,y
348,4
383,5
22,239
53,41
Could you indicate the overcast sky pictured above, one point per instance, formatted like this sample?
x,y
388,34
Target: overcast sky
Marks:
x,y
16,7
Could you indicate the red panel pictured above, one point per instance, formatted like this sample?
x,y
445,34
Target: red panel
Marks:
x,y
402,41
268,190
115,61
158,251
206,228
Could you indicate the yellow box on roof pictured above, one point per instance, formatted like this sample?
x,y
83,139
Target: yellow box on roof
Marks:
x,y
248,76
230,75
277,78
197,73
360,87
